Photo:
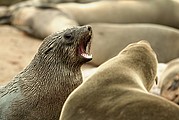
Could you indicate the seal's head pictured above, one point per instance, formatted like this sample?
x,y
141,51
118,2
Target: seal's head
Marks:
x,y
171,89
170,81
144,61
72,46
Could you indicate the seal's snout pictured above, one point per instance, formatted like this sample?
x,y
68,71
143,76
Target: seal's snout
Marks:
x,y
89,28
85,43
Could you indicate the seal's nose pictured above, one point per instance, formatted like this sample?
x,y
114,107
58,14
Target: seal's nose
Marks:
x,y
89,27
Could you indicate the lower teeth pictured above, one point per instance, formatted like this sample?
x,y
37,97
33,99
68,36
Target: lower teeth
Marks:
x,y
86,55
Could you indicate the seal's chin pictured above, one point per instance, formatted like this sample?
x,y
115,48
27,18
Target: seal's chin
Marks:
x,y
84,47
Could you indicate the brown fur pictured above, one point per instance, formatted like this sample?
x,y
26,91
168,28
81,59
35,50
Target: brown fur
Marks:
x,y
39,91
119,90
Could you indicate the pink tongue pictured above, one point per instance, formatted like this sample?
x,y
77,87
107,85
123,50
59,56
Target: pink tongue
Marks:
x,y
82,49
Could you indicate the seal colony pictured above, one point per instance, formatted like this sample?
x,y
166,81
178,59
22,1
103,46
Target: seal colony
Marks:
x,y
170,81
118,90
39,91
163,12
72,14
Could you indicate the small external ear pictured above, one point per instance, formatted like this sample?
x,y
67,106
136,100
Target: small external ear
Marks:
x,y
156,80
50,47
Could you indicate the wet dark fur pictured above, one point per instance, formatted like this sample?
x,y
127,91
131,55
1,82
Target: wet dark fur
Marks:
x,y
39,91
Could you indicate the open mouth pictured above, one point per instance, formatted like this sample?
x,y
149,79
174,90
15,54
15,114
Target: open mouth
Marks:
x,y
85,45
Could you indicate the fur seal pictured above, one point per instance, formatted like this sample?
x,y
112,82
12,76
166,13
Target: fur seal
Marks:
x,y
39,91
164,40
38,22
170,81
163,12
119,90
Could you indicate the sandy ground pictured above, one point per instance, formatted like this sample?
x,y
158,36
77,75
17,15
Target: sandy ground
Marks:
x,y
16,51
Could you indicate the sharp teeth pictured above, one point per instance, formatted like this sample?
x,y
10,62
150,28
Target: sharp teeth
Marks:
x,y
90,56
90,33
86,55
88,47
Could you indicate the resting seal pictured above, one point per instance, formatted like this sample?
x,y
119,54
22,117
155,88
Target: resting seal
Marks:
x,y
164,40
170,81
41,21
163,12
39,91
119,90
36,19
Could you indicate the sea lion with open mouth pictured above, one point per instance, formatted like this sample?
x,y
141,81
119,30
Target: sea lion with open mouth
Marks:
x,y
39,91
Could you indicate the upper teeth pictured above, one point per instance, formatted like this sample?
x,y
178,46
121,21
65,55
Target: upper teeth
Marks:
x,y
88,47
90,33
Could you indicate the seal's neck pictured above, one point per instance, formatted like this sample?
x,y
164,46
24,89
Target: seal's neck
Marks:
x,y
51,78
45,87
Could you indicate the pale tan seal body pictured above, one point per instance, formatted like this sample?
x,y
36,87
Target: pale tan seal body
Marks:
x,y
41,22
109,39
119,90
117,11
125,11
170,81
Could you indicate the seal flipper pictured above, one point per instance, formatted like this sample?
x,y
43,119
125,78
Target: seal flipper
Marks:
x,y
5,19
24,28
5,16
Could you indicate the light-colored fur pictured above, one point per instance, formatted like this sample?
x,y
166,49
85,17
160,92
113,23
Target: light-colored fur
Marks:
x,y
109,39
119,90
124,11
170,81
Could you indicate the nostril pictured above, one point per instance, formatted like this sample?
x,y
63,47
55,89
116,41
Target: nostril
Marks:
x,y
89,28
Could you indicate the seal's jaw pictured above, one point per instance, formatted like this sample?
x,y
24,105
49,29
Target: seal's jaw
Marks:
x,y
84,47
85,53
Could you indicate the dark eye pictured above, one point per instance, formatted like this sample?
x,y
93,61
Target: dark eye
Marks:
x,y
175,85
69,36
